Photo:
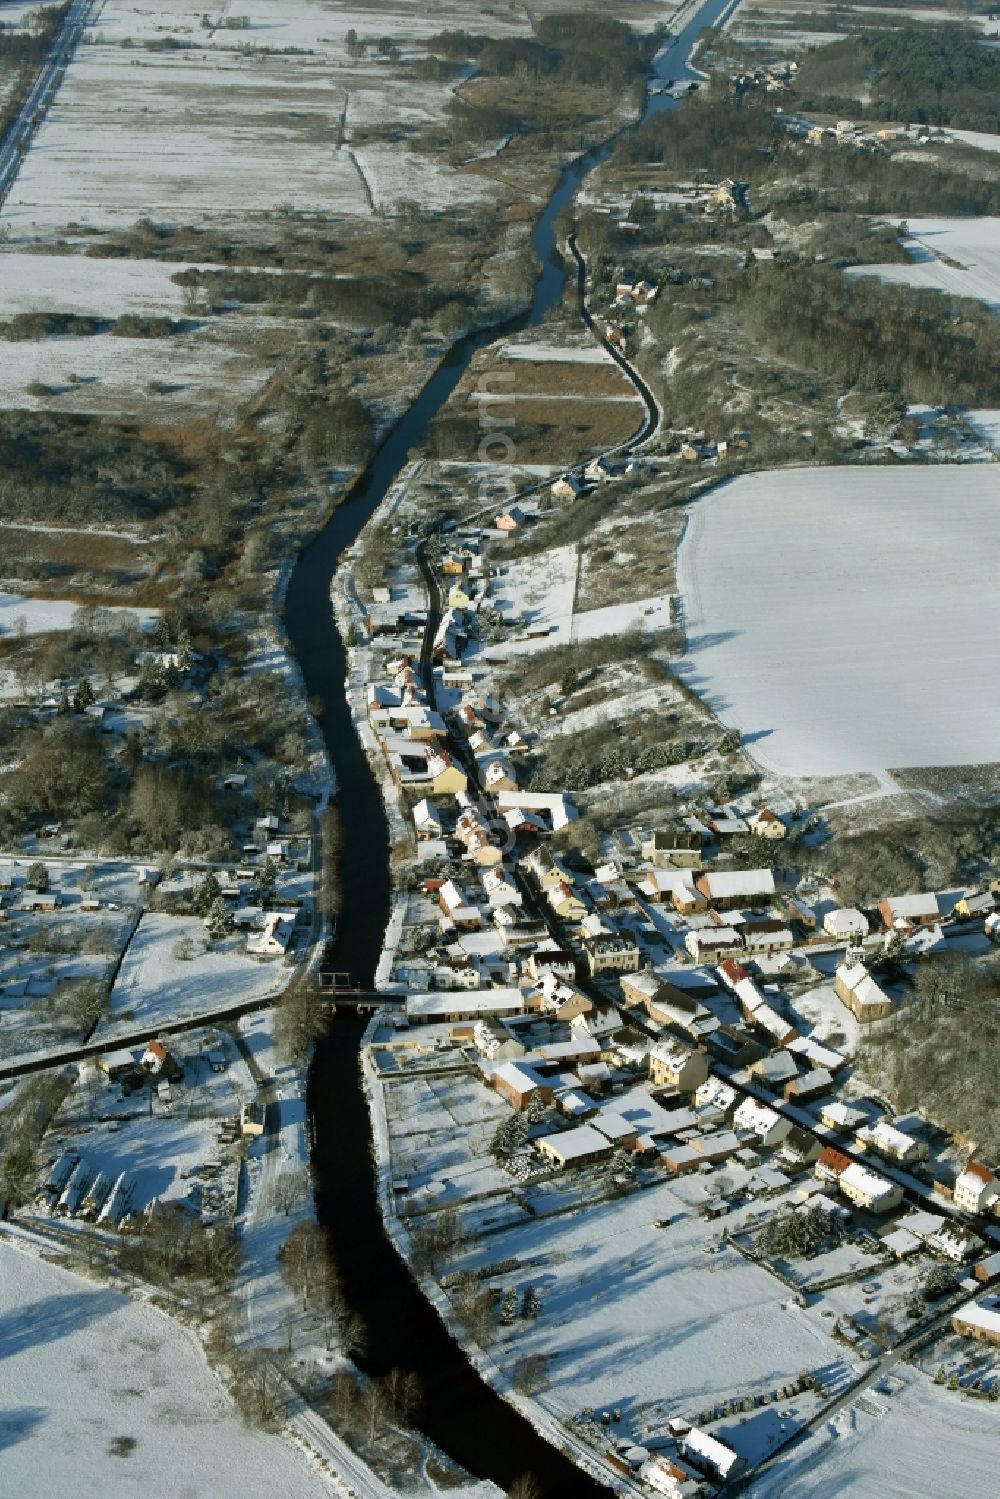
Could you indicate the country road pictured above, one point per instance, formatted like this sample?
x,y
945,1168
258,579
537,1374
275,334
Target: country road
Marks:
x,y
18,135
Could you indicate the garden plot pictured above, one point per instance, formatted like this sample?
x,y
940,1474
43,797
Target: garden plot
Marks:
x,y
920,1440
822,611
971,263
615,619
41,616
533,592
157,983
589,353
632,1313
440,1130
100,1394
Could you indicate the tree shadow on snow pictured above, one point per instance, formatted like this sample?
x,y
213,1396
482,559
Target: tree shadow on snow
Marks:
x,y
18,1423
52,1318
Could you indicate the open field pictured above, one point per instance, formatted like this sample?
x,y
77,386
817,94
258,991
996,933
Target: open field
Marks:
x,y
156,984
958,256
103,1395
638,1317
825,610
162,117
923,1439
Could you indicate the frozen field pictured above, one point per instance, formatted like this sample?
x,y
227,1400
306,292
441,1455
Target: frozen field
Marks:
x,y
633,1315
826,611
973,243
229,122
927,1440
155,985
83,1369
43,615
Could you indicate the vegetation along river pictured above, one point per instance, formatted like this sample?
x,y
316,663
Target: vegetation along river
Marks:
x,y
458,1411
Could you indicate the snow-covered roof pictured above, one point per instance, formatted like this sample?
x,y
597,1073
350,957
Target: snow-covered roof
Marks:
x,y
571,1144
732,884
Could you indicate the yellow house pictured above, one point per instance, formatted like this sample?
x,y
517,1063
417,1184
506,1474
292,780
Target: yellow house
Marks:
x,y
457,597
446,777
566,905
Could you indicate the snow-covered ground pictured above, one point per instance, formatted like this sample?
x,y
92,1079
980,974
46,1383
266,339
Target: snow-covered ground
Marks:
x,y
102,1395
614,619
85,285
634,1315
537,353
924,1439
231,122
986,422
973,243
40,616
156,984
825,611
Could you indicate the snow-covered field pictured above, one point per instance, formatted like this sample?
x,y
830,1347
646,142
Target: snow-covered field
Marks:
x,y
614,619
224,123
922,1440
589,353
155,984
973,243
83,284
634,1315
40,616
85,1372
826,610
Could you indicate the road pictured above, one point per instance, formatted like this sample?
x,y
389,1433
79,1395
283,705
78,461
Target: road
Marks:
x,y
17,138
139,1034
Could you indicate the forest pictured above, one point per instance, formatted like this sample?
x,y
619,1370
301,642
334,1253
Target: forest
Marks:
x,y
933,75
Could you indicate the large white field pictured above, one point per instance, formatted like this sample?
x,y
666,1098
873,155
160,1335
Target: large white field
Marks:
x,y
155,985
974,246
634,1314
82,1365
923,1440
828,613
220,124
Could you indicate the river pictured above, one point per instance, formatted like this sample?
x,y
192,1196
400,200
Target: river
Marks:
x,y
459,1412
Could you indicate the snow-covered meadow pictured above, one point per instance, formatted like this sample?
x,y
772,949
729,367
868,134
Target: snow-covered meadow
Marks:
x,y
971,267
160,116
103,1395
920,1439
634,1315
827,613
41,616
158,982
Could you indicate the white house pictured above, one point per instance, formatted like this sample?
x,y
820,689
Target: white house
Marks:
x,y
273,938
866,1189
976,1188
845,923
769,1126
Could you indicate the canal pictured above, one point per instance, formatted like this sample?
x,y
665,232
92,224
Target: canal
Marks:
x,y
459,1412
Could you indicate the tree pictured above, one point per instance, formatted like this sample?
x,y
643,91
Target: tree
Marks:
x,y
530,1374
258,1388
264,877
525,1487
83,696
510,1134
508,1308
37,877
219,922
206,893
289,1189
